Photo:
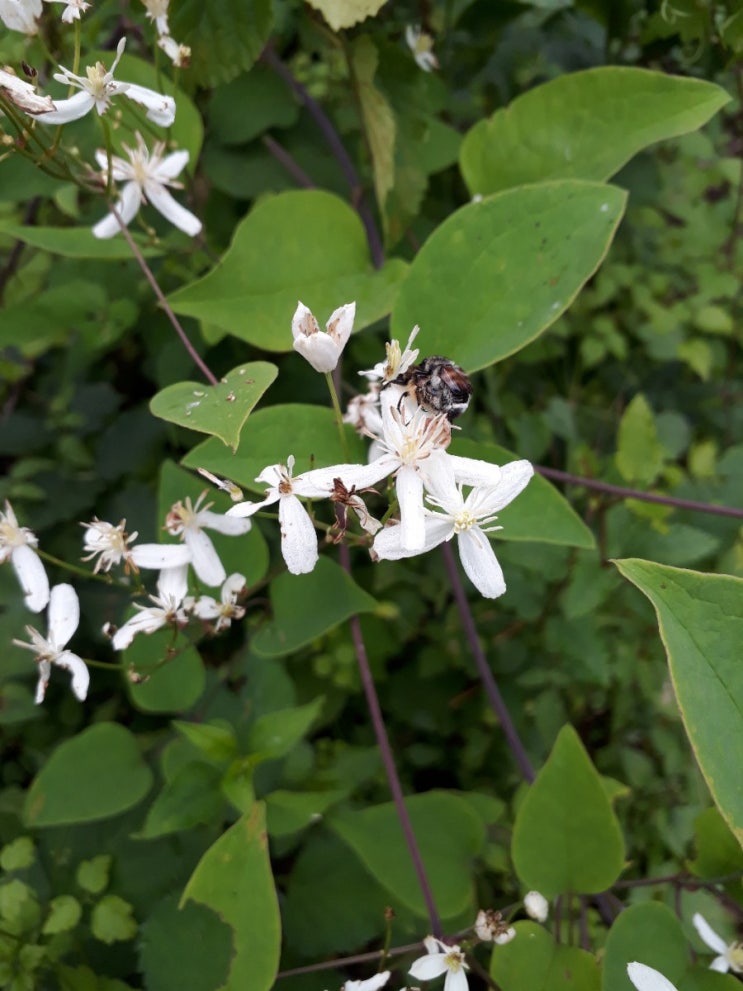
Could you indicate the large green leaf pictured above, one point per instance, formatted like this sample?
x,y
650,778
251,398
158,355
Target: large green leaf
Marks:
x,y
270,436
234,879
220,409
170,674
566,837
540,512
306,245
306,606
497,273
535,961
96,774
585,125
449,833
701,624
225,36
77,242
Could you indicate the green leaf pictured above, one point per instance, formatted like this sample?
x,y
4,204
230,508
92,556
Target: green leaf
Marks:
x,y
566,837
170,675
345,13
185,947
64,914
306,606
274,734
96,774
533,960
220,410
521,258
270,436
640,453
288,812
718,852
450,834
271,103
651,934
77,242
92,875
378,117
191,798
215,741
701,625
225,36
585,125
539,513
304,244
112,920
18,854
234,879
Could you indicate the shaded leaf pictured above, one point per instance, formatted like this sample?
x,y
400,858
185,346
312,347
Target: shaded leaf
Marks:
x,y
225,36
534,960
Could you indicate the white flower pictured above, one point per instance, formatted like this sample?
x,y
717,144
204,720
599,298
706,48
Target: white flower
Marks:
x,y
63,618
110,544
421,45
490,927
23,94
179,55
370,984
188,522
205,607
536,905
322,348
20,15
168,609
146,175
462,516
441,959
73,9
97,88
397,361
17,545
647,978
730,955
157,11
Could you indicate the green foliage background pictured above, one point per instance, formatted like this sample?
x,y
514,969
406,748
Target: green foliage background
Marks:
x,y
229,816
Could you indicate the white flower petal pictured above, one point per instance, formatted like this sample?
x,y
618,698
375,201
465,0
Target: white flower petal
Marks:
x,y
31,576
720,964
204,558
409,489
160,555
456,980
480,563
472,471
205,607
20,15
160,108
172,165
45,669
74,108
242,509
64,615
178,215
143,621
370,984
172,582
388,542
224,523
340,324
80,674
708,935
647,978
428,967
127,207
298,537
234,584
319,350
536,905
515,476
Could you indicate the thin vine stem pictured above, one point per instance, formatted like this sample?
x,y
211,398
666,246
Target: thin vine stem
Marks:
x,y
388,760
489,683
625,493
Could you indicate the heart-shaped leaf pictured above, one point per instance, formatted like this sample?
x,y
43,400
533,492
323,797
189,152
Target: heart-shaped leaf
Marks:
x,y
220,410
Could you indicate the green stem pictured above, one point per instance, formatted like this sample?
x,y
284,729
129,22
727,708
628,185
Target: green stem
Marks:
x,y
338,415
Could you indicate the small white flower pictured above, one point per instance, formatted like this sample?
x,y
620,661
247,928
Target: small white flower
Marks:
x,y
536,905
397,361
97,88
157,11
23,94
168,609
146,175
322,348
110,544
73,9
462,516
490,927
63,618
205,607
441,959
17,545
370,984
21,15
730,955
179,55
647,978
188,521
421,45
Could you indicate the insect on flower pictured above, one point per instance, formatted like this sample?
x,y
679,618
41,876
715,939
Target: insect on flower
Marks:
x,y
438,385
